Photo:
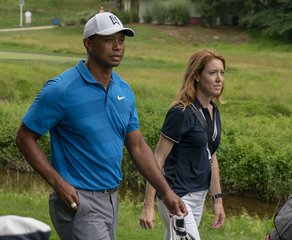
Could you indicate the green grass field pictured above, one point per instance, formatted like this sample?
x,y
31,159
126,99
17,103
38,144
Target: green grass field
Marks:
x,y
258,91
26,195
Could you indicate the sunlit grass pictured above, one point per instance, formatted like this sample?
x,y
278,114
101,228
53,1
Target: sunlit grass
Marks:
x,y
35,204
27,195
257,82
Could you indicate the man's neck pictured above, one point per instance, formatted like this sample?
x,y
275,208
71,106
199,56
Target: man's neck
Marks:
x,y
100,74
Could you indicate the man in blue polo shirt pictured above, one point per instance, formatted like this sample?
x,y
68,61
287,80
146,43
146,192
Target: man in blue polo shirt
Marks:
x,y
91,114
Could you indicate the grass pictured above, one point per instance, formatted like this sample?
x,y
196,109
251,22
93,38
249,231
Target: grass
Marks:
x,y
158,60
242,227
44,11
257,83
27,195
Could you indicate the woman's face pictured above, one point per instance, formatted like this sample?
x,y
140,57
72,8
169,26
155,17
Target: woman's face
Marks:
x,y
211,80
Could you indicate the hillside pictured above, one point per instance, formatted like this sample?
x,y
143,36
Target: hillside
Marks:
x,y
256,116
44,11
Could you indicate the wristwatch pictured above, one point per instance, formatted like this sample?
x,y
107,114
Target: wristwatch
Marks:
x,y
216,196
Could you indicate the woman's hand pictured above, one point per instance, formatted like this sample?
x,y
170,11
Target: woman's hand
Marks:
x,y
147,218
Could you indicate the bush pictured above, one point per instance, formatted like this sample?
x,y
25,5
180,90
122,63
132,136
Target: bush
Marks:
x,y
127,17
150,123
158,11
254,156
10,119
178,13
168,12
84,16
148,17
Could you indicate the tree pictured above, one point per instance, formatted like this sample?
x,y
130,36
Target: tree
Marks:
x,y
272,17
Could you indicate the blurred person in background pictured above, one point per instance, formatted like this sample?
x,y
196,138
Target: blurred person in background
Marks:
x,y
27,16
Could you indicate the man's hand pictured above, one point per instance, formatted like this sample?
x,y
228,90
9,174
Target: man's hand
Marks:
x,y
67,194
174,204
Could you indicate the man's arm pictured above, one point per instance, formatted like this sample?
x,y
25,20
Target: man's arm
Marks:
x,y
147,217
146,163
215,188
26,141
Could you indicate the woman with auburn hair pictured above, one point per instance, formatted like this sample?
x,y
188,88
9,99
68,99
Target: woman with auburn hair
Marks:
x,y
186,150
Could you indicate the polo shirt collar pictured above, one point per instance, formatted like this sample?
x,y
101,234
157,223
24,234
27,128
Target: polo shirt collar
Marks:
x,y
198,105
87,76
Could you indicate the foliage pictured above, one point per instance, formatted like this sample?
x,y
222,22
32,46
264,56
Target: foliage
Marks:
x,y
158,11
263,165
10,118
208,10
68,12
256,94
127,17
178,12
150,121
43,12
274,17
33,203
173,12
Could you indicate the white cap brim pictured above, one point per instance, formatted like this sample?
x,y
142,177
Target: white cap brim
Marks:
x,y
127,31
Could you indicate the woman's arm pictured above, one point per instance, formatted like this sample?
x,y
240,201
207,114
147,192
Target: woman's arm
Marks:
x,y
146,163
215,188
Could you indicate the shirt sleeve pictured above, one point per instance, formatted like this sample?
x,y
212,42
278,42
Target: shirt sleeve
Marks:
x,y
46,110
134,120
175,124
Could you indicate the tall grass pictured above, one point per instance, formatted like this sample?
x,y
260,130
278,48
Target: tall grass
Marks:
x,y
258,80
44,11
257,84
27,195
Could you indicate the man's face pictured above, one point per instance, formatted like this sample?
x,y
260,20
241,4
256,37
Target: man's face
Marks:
x,y
107,51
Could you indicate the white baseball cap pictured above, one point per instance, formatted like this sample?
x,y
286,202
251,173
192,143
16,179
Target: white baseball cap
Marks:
x,y
105,24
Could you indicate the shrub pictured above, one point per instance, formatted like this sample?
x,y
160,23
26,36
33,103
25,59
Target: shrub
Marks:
x,y
150,123
158,11
147,17
254,156
178,12
10,119
70,22
168,12
127,17
84,16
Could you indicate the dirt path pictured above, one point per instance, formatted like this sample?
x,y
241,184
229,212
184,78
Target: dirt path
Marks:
x,y
25,28
6,55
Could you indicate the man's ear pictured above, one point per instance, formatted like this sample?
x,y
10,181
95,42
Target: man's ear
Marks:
x,y
87,44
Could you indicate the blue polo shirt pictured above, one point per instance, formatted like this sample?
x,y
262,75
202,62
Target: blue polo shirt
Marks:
x,y
187,168
87,126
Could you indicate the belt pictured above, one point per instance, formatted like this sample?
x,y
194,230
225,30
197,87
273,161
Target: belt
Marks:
x,y
108,190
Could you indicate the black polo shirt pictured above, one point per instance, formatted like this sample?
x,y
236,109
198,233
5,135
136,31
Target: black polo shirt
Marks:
x,y
187,168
